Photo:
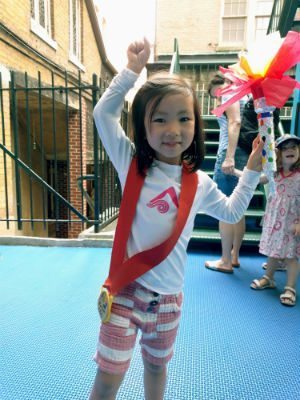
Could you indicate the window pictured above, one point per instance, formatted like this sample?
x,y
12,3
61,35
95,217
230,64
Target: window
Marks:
x,y
41,20
75,31
261,27
234,21
262,19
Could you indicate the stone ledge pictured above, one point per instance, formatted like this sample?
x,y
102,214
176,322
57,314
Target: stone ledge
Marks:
x,y
50,242
86,238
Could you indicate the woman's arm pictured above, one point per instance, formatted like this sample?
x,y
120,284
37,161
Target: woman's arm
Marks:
x,y
233,114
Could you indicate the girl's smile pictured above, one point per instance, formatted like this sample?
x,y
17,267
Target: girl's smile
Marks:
x,y
171,128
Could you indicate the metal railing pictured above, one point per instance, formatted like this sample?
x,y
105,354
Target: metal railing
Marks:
x,y
49,143
283,15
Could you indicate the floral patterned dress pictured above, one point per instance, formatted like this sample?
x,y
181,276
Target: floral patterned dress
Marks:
x,y
282,211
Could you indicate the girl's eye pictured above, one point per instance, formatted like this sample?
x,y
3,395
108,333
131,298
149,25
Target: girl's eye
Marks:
x,y
284,148
184,119
158,120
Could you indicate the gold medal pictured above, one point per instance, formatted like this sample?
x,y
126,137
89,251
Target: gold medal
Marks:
x,y
104,304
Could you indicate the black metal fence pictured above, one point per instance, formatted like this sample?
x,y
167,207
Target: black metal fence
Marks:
x,y
55,176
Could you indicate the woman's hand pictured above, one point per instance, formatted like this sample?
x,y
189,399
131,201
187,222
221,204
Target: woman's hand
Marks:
x,y
255,159
228,166
138,54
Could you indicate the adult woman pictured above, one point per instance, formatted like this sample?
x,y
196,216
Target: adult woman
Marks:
x,y
229,156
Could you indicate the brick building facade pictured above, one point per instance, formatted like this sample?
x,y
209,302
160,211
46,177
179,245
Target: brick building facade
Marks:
x,y
46,45
209,33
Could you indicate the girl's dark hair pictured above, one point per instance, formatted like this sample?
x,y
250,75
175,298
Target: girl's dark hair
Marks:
x,y
150,95
293,167
217,80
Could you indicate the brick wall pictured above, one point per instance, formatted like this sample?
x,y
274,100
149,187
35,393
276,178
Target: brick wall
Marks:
x,y
6,182
24,51
77,158
15,15
194,23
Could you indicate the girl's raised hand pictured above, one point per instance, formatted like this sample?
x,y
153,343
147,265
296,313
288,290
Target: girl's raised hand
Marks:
x,y
138,54
255,159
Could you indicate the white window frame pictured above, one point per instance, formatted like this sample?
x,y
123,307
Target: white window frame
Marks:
x,y
232,44
75,57
262,12
44,32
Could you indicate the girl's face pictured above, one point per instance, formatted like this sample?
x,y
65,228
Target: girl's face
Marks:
x,y
290,153
171,129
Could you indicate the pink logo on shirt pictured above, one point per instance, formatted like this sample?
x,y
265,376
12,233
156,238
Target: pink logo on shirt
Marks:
x,y
161,204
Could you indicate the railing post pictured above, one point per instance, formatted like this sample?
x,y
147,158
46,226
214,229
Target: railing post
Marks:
x,y
175,63
295,123
16,149
95,92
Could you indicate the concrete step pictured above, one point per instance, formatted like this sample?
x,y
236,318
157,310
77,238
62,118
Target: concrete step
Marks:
x,y
206,235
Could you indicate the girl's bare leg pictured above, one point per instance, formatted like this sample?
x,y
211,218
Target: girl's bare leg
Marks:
x,y
155,378
105,386
272,265
288,297
293,269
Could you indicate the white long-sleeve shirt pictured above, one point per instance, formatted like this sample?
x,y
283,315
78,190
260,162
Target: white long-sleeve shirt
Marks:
x,y
154,220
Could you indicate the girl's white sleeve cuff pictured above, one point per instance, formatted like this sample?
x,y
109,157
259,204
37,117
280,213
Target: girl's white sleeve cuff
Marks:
x,y
250,177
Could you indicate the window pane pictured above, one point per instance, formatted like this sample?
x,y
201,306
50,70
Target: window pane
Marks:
x,y
32,12
42,19
75,28
74,25
233,30
264,7
235,7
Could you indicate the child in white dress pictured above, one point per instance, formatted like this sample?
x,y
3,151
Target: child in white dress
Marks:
x,y
281,226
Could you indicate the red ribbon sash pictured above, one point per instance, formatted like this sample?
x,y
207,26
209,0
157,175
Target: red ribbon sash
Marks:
x,y
121,272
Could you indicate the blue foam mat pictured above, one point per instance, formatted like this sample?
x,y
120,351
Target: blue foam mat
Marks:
x,y
234,343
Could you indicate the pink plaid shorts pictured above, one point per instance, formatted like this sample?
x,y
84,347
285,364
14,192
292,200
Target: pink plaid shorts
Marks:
x,y
137,308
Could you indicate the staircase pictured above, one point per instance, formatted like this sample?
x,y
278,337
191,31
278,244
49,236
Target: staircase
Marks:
x,y
205,227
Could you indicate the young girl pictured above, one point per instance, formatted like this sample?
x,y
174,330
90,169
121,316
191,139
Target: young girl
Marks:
x,y
281,227
162,192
